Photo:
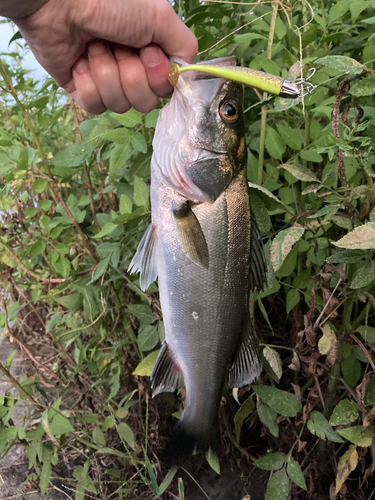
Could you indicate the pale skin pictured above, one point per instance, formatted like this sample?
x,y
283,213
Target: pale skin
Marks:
x,y
108,54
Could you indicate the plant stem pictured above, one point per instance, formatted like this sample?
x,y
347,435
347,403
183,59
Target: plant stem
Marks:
x,y
20,389
263,121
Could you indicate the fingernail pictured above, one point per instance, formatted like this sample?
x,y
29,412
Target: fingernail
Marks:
x,y
151,56
97,49
81,66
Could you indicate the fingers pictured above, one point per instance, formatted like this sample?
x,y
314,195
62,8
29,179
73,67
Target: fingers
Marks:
x,y
105,74
119,80
134,80
155,63
86,92
171,34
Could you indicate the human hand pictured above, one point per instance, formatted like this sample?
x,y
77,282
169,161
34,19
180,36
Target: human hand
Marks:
x,y
108,54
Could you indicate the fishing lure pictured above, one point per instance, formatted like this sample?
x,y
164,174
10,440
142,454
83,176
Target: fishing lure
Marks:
x,y
260,80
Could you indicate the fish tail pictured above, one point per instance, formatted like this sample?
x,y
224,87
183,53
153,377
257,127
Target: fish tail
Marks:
x,y
185,439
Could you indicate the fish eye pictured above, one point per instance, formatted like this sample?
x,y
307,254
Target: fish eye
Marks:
x,y
229,111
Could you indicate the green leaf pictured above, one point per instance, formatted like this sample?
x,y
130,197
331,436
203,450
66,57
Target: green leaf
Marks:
x,y
63,267
108,228
272,461
45,476
119,135
139,143
100,269
300,172
363,88
351,370
213,461
145,367
291,137
367,333
45,205
295,473
105,124
345,412
127,434
292,299
356,436
282,402
244,411
72,302
148,337
344,64
37,248
167,480
363,278
283,244
318,424
313,156
275,144
126,204
274,360
98,436
346,257
328,340
60,425
40,185
141,192
23,160
151,118
143,313
73,155
260,212
357,7
120,155
278,486
30,212
362,238
108,423
129,119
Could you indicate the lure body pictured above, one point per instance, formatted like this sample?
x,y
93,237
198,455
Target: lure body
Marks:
x,y
246,76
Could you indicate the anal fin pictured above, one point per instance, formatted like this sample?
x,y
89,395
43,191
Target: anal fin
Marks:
x,y
166,375
191,234
258,265
247,365
144,260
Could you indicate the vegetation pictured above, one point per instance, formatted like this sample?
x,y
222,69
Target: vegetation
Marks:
x,y
74,203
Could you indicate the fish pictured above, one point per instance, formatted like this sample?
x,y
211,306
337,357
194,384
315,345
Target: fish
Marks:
x,y
204,246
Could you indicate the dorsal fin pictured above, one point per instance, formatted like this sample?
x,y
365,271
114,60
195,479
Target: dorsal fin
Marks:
x,y
191,235
166,375
144,260
247,365
258,265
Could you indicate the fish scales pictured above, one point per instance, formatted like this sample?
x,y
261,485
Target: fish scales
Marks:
x,y
199,241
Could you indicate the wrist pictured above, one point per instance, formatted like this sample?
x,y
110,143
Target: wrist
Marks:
x,y
19,9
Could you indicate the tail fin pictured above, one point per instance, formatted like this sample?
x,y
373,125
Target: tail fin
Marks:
x,y
184,440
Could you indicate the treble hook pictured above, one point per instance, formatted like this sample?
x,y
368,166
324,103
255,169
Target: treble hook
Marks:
x,y
304,82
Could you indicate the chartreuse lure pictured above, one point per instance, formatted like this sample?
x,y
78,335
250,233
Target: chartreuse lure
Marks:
x,y
266,82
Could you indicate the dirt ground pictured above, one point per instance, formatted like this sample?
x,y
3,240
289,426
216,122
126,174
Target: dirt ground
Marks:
x,y
14,466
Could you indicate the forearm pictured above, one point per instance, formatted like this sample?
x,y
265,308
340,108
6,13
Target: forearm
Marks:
x,y
17,9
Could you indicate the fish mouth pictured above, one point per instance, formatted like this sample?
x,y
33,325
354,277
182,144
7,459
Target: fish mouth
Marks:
x,y
208,154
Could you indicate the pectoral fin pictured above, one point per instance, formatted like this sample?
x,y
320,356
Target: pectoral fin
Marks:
x,y
258,266
191,234
166,375
247,364
144,260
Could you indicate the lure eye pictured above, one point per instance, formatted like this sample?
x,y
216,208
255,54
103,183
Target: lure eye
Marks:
x,y
229,111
